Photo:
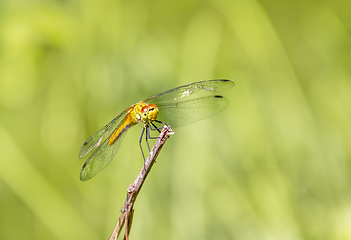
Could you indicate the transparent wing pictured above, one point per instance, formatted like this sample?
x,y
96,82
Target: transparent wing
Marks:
x,y
178,93
95,140
182,113
103,155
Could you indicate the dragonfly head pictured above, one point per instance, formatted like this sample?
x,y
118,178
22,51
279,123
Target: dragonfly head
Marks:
x,y
149,113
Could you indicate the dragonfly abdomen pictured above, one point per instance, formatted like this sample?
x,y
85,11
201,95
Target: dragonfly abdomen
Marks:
x,y
129,122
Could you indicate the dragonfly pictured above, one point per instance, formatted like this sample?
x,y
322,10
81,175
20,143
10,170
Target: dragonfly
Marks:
x,y
175,107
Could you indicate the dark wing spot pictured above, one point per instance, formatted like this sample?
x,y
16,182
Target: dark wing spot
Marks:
x,y
84,164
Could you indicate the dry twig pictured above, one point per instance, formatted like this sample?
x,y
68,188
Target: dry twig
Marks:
x,y
127,211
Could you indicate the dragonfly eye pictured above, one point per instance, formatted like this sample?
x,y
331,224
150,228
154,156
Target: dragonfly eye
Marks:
x,y
152,107
144,110
144,113
153,112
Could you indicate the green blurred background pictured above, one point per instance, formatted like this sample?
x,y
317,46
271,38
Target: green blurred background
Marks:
x,y
274,165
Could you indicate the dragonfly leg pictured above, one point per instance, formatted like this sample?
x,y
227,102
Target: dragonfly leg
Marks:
x,y
161,123
147,128
141,148
153,129
156,128
147,136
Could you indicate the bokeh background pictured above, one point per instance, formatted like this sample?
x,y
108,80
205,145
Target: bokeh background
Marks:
x,y
274,165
